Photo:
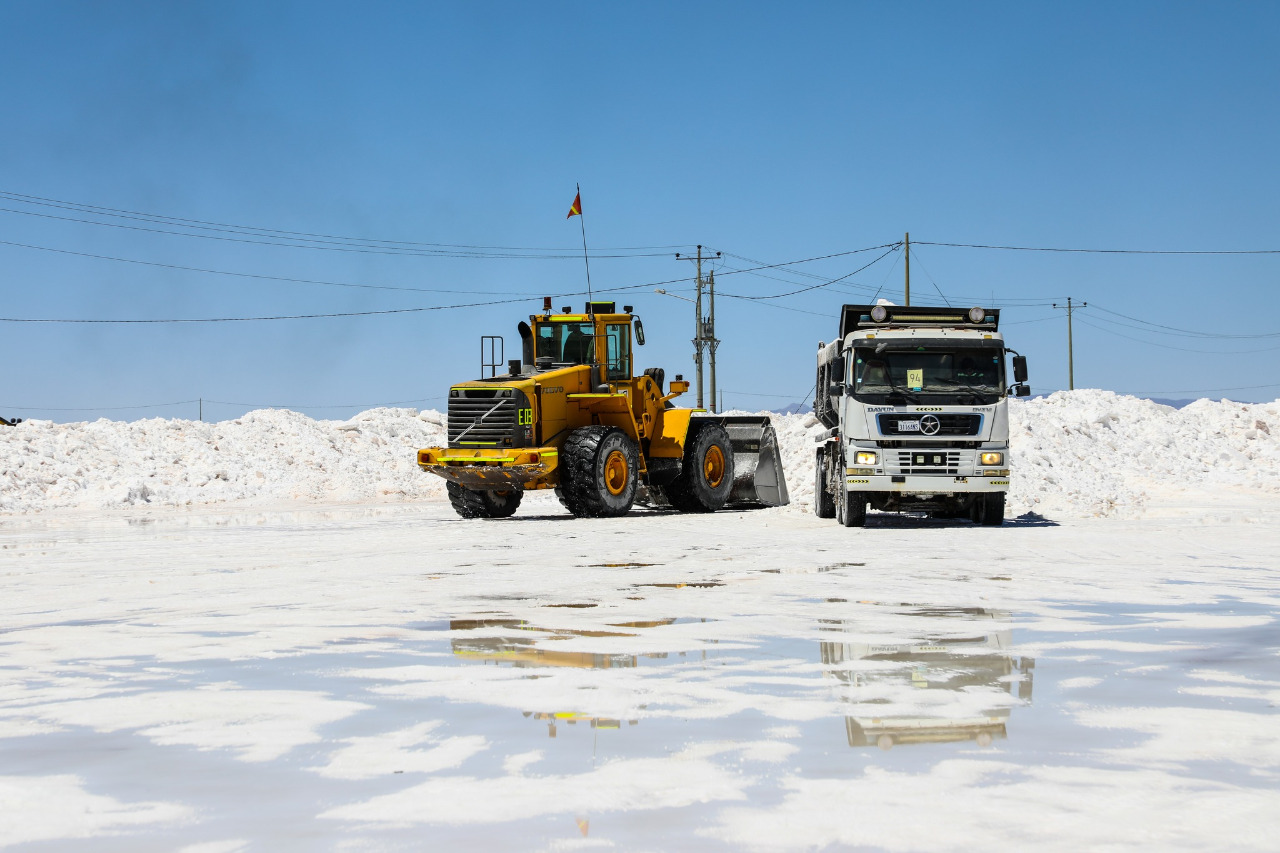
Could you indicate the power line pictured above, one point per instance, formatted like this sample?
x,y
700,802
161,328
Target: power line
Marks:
x,y
269,232
1195,333
296,406
892,248
328,245
291,406
916,255
261,319
244,274
99,408
1025,322
488,303
1170,347
1204,390
1106,251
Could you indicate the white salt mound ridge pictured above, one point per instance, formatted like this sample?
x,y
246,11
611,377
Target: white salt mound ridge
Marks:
x,y
266,456
1077,453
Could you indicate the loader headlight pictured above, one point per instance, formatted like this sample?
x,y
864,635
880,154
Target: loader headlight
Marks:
x,y
977,315
993,459
864,457
879,313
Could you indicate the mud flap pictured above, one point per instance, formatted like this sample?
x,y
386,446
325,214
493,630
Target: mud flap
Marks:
x,y
757,464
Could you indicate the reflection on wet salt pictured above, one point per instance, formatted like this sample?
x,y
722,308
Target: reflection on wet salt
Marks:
x,y
572,718
521,649
684,585
944,686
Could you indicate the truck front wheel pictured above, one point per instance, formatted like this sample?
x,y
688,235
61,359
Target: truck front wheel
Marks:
x,y
851,507
470,503
991,509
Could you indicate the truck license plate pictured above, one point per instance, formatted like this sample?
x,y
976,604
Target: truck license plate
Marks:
x,y
908,426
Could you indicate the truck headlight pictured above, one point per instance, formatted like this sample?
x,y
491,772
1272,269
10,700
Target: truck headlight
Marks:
x,y
864,457
993,459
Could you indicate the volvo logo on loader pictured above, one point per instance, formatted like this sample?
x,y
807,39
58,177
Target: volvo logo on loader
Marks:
x,y
572,415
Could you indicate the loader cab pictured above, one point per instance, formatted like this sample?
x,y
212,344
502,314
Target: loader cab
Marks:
x,y
598,337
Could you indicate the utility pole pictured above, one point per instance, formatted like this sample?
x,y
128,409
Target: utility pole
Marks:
x,y
702,328
709,336
906,254
1071,373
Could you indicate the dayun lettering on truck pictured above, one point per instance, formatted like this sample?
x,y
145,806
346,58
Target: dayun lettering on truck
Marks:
x,y
915,402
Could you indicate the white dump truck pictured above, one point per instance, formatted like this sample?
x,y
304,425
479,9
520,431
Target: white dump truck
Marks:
x,y
915,401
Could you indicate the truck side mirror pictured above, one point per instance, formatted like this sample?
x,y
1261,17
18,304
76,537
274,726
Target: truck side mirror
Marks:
x,y
639,332
834,390
1020,370
1021,390
837,370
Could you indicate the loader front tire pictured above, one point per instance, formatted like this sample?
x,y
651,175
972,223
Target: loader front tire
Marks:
x,y
470,503
601,471
706,471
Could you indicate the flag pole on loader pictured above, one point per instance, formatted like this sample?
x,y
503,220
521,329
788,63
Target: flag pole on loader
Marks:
x,y
576,210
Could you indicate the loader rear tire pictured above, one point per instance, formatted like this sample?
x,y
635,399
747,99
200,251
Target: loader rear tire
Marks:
x,y
601,472
470,503
706,471
824,504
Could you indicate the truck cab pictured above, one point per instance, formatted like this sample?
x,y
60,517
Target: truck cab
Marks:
x,y
916,404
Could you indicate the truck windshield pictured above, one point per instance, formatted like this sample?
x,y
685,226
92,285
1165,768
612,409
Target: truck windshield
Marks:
x,y
959,376
566,342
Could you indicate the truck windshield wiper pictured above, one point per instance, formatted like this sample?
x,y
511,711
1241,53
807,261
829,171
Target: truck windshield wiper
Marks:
x,y
902,393
981,395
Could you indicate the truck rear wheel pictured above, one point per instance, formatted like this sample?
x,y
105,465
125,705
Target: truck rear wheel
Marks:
x,y
601,471
824,505
706,471
470,503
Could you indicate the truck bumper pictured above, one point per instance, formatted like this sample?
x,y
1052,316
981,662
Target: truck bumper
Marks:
x,y
490,468
920,484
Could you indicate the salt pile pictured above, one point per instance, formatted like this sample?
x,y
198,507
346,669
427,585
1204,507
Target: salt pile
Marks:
x,y
269,455
1078,453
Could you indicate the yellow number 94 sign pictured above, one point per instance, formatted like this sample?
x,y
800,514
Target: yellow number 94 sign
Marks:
x,y
915,379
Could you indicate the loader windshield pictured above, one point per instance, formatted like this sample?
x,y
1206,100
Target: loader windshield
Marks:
x,y
957,376
566,342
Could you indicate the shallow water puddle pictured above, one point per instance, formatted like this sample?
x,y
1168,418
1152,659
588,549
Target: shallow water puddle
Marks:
x,y
364,682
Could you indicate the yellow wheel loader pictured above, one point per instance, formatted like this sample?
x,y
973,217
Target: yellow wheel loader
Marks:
x,y
571,415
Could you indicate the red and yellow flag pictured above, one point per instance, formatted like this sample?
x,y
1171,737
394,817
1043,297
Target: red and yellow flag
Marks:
x,y
576,208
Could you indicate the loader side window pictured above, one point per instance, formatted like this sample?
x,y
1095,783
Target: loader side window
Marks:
x,y
618,360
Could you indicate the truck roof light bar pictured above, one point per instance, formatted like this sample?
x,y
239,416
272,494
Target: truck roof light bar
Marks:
x,y
855,317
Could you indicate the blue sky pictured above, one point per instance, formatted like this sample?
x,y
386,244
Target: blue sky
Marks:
x,y
769,132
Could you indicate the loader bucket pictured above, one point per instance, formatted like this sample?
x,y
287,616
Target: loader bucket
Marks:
x,y
757,464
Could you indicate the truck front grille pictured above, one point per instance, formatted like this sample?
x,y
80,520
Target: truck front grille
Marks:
x,y
478,420
948,424
929,461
